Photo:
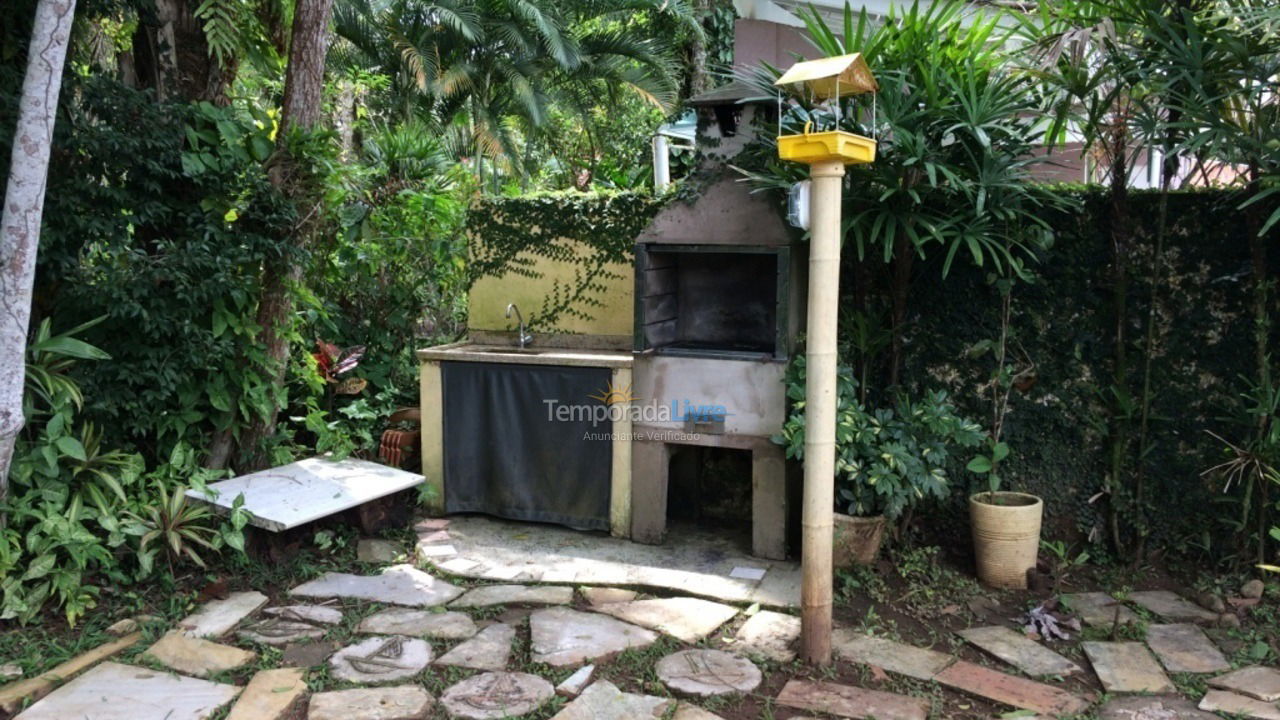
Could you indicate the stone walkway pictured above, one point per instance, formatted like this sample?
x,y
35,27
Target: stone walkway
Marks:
x,y
424,628
689,562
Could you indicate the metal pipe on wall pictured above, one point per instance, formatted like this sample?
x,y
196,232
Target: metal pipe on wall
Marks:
x,y
661,163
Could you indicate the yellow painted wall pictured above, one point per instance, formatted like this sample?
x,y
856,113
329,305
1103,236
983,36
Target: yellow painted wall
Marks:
x,y
490,295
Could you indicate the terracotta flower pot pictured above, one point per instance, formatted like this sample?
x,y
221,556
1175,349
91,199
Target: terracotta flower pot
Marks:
x,y
1006,536
856,540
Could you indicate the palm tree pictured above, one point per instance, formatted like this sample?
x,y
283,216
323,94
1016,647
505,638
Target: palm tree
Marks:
x,y
958,132
485,72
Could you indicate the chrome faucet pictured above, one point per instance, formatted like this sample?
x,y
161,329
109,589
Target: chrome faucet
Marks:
x,y
524,337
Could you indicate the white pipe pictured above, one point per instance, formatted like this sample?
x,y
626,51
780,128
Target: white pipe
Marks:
x,y
661,164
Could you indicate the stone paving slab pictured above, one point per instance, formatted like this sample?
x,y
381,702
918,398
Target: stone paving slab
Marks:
x,y
686,619
197,656
488,595
380,659
317,614
269,695
1127,667
379,552
1099,609
768,634
1184,648
573,685
1172,606
707,673
494,695
1223,701
403,702
685,711
217,617
488,650
1020,651
1009,690
419,623
895,657
396,585
605,595
564,638
1255,681
604,701
1152,707
14,695
112,691
278,631
851,702
691,561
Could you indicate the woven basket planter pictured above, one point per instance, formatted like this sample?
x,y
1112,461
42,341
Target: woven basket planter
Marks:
x,y
856,540
1006,536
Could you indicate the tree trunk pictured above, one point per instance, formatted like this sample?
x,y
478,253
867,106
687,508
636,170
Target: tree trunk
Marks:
x,y
1120,370
1261,330
903,259
303,87
344,120
172,57
23,206
699,77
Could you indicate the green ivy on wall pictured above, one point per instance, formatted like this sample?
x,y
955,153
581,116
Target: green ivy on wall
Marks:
x,y
591,231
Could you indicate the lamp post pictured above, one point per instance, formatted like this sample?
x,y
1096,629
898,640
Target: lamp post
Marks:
x,y
826,154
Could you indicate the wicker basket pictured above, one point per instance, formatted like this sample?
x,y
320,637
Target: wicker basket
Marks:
x,y
856,540
1006,536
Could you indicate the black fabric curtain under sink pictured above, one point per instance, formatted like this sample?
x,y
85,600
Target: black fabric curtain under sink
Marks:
x,y
505,456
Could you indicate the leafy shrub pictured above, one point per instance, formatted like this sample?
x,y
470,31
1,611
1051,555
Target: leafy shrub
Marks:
x,y
76,513
887,459
161,234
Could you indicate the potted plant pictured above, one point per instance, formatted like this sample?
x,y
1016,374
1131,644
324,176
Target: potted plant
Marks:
x,y
887,459
1005,525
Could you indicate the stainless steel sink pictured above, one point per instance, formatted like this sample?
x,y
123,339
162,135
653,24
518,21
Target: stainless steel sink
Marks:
x,y
513,351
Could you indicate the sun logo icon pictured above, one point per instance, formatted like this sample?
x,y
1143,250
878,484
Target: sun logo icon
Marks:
x,y
614,395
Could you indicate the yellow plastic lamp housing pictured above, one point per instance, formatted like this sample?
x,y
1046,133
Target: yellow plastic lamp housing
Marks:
x,y
832,77
833,146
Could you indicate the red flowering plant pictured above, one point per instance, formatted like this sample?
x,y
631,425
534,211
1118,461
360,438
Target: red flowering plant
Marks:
x,y
332,362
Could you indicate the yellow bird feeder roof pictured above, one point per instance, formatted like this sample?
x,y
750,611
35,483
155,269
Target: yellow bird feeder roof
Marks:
x,y
832,77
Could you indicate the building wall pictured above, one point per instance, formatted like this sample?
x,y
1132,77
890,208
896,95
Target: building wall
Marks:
x,y
538,280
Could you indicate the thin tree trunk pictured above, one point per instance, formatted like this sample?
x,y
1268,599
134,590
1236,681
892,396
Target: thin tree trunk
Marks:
x,y
699,76
1261,330
23,207
1120,368
344,119
303,88
903,260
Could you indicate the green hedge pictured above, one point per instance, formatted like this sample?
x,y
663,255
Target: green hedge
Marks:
x,y
1065,321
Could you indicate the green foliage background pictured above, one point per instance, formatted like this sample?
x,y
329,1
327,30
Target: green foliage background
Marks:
x,y
1063,323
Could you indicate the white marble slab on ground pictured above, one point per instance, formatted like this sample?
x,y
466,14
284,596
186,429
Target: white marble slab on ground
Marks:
x,y
690,561
396,585
217,617
113,691
298,493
